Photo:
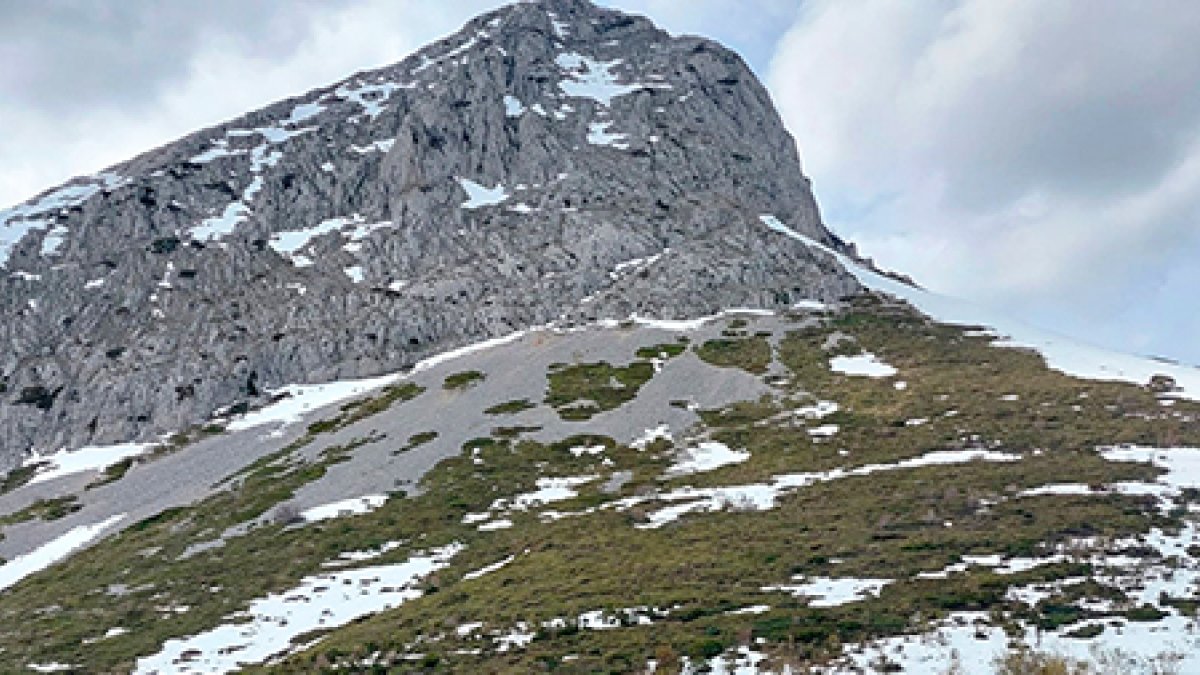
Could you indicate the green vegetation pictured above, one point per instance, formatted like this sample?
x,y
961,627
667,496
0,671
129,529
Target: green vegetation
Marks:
x,y
600,559
510,407
180,440
666,350
416,440
463,380
751,354
581,391
147,558
363,408
1145,613
509,433
580,564
1023,660
113,472
17,478
44,509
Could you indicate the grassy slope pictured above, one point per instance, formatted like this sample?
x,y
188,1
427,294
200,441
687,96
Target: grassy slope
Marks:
x,y
698,568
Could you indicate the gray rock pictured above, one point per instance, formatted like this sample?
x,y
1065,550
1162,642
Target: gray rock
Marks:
x,y
634,167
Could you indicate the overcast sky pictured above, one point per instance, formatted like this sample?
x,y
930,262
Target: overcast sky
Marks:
x,y
1042,156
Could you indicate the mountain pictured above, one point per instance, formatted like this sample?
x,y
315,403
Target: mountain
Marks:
x,y
551,162
531,353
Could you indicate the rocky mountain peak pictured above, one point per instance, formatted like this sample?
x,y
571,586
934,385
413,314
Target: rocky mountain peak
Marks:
x,y
551,162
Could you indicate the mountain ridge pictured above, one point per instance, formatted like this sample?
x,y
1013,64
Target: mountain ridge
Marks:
x,y
608,169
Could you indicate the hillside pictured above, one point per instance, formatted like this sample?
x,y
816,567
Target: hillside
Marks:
x,y
647,491
702,438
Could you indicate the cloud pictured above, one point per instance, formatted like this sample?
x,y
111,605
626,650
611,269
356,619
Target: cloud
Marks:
x,y
1039,154
89,84
65,56
750,28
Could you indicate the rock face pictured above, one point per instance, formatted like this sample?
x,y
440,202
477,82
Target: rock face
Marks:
x,y
553,161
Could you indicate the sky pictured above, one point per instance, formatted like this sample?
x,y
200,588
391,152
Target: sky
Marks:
x,y
1038,156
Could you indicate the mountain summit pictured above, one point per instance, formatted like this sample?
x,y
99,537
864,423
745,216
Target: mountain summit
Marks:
x,y
551,162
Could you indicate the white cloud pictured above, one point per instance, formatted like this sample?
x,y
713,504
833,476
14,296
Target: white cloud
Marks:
x,y
1039,154
223,74
750,28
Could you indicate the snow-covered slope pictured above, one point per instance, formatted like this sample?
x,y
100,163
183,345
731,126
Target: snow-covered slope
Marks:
x,y
1068,355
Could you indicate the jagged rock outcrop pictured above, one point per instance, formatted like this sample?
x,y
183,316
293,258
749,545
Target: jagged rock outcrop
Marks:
x,y
552,161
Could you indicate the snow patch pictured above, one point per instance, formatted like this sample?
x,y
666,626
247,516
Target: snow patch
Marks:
x,y
378,146
513,106
53,240
599,134
220,148
636,264
752,609
479,196
38,213
489,568
53,551
662,431
586,77
862,365
967,640
363,230
222,225
816,411
811,306
707,456
549,490
518,638
346,507
50,667
742,661
1182,468
438,359
303,112
686,325
93,458
828,592
288,243
501,524
824,431
763,496
322,601
372,97
561,28
450,54
301,399
1062,489
350,557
